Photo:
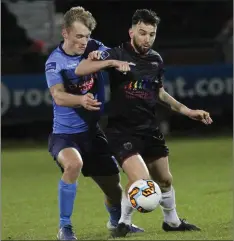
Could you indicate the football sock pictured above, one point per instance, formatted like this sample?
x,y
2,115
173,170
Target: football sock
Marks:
x,y
114,211
168,207
67,194
127,211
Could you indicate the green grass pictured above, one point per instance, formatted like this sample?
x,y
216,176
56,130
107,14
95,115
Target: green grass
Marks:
x,y
202,171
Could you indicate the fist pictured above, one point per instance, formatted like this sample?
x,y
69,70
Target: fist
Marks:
x,y
95,55
201,115
89,103
122,66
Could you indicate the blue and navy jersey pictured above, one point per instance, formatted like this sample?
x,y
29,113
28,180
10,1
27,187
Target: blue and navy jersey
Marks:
x,y
60,69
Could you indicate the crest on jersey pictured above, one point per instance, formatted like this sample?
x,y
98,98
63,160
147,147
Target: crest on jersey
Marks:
x,y
128,146
104,55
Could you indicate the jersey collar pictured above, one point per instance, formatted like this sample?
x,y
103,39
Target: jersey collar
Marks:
x,y
129,48
61,48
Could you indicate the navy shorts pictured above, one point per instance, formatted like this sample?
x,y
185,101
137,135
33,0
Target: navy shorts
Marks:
x,y
93,147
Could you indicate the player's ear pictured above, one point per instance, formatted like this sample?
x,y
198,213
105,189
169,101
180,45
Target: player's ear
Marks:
x,y
130,31
64,33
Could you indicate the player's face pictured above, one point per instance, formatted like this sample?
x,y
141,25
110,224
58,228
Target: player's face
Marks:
x,y
142,37
77,37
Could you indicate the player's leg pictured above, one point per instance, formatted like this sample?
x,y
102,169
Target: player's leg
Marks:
x,y
135,169
160,173
158,165
111,187
120,222
104,170
71,162
125,149
69,159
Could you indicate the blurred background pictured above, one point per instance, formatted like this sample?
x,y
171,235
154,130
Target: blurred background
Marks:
x,y
195,39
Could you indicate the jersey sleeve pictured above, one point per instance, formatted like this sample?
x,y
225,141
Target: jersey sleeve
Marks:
x,y
110,54
161,72
101,46
94,45
52,72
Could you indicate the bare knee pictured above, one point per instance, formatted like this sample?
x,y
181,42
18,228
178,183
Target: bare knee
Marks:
x,y
160,173
73,167
135,168
71,162
165,182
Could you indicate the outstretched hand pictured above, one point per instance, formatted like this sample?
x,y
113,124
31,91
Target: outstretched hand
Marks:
x,y
119,65
122,66
200,115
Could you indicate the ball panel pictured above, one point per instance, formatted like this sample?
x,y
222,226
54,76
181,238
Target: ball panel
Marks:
x,y
149,190
132,195
144,195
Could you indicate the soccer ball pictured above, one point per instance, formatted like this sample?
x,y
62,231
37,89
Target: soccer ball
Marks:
x,y
144,195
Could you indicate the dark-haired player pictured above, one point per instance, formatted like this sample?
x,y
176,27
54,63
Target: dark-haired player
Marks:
x,y
132,131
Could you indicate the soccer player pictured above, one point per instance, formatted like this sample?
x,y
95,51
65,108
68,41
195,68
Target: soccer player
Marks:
x,y
77,143
133,133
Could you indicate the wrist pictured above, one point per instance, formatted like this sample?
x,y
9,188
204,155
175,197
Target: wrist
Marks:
x,y
110,63
185,110
79,99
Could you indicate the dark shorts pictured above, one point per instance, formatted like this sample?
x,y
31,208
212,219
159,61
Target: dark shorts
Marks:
x,y
93,147
150,146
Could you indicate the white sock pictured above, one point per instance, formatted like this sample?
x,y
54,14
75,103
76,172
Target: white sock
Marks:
x,y
168,207
126,211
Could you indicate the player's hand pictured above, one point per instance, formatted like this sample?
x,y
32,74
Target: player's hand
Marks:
x,y
89,102
122,66
201,115
95,55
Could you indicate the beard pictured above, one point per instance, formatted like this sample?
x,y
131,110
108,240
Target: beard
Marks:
x,y
140,49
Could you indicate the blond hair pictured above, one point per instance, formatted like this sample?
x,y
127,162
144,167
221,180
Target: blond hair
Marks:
x,y
81,15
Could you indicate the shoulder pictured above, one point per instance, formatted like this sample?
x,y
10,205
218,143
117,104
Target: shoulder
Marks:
x,y
156,56
120,48
112,53
54,60
55,55
94,45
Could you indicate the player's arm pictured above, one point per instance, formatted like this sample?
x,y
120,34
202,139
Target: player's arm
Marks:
x,y
175,105
88,66
108,59
63,98
60,96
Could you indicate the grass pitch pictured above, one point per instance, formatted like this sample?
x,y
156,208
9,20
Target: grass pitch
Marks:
x,y
202,171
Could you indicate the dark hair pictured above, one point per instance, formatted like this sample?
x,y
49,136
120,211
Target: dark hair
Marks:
x,y
146,16
79,14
